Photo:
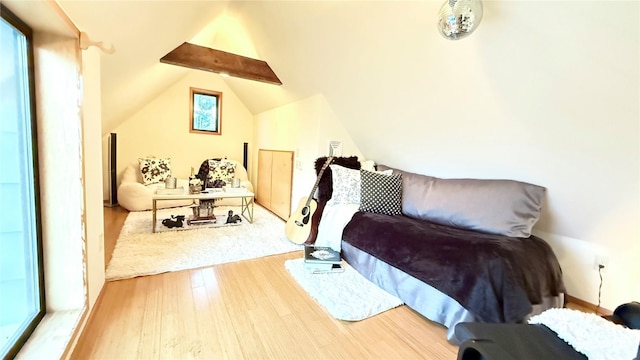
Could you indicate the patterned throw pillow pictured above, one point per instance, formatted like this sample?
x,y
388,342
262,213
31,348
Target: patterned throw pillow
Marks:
x,y
381,193
346,185
221,173
154,170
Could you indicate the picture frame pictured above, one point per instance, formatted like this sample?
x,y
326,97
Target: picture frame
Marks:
x,y
205,111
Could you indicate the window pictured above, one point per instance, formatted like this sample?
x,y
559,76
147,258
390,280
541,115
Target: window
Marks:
x,y
22,303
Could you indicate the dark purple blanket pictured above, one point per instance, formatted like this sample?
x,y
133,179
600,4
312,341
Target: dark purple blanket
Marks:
x,y
495,277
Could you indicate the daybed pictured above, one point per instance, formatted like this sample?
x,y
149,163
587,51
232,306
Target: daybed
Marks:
x,y
138,186
454,250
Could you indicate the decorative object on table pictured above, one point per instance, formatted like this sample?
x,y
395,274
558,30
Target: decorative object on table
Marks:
x,y
174,221
203,213
202,210
459,18
232,219
235,183
195,185
170,182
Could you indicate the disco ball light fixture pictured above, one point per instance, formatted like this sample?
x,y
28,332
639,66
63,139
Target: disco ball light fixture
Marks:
x,y
459,18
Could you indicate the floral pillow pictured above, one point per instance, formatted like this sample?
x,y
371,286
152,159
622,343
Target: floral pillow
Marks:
x,y
154,170
221,173
346,185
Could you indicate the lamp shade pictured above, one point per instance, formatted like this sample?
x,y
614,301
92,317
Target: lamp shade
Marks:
x,y
459,18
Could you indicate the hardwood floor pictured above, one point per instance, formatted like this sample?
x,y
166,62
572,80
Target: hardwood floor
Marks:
x,y
245,310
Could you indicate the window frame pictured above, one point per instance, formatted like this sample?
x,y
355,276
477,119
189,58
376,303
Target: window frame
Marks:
x,y
21,26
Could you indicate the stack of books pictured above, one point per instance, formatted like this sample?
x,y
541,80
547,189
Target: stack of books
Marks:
x,y
320,259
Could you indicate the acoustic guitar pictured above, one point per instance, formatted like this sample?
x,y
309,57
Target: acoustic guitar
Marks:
x,y
300,224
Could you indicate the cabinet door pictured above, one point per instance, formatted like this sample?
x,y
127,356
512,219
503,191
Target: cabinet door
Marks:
x,y
281,183
263,194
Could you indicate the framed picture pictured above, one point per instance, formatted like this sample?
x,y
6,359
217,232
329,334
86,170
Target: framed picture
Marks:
x,y
205,111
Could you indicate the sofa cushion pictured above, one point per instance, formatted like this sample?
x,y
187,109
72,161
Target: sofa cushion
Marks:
x,y
504,207
154,170
346,185
381,193
325,185
222,170
217,172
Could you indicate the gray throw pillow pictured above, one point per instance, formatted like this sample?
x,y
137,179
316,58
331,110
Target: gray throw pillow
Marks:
x,y
380,193
503,207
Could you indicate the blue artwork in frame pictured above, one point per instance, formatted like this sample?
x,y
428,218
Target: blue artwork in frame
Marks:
x,y
205,111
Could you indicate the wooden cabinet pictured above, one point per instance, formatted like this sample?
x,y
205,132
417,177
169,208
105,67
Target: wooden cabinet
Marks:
x,y
275,177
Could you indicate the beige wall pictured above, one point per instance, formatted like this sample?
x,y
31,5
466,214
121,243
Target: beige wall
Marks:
x,y
161,128
305,127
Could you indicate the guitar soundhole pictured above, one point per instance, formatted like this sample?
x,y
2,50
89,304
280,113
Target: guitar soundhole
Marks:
x,y
305,211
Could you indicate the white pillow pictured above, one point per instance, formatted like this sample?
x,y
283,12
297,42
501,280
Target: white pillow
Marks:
x,y
347,185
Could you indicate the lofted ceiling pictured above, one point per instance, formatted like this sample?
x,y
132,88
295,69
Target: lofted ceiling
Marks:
x,y
349,51
144,31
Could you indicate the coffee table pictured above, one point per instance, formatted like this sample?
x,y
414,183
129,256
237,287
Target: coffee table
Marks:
x,y
246,196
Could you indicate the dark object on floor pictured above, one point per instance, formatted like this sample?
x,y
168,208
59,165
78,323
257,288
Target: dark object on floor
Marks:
x,y
175,221
232,219
480,341
626,314
484,341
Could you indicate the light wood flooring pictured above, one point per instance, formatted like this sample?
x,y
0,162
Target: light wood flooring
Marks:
x,y
245,310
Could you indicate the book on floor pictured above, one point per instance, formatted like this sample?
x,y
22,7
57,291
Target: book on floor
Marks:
x,y
321,255
328,268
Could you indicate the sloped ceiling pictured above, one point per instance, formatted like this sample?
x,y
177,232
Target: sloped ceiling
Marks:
x,y
336,48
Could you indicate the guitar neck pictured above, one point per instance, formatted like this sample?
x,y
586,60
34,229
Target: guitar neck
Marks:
x,y
315,186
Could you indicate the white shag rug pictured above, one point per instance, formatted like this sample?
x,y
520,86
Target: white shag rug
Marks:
x,y
346,295
591,335
139,252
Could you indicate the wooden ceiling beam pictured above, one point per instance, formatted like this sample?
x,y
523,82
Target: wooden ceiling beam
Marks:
x,y
221,62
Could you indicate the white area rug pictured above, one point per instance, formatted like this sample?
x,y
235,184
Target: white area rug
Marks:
x,y
346,295
140,252
593,336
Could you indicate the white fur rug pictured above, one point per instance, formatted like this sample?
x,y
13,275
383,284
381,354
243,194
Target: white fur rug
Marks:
x,y
139,252
346,295
591,335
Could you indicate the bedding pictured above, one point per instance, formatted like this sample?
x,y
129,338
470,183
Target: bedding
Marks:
x,y
470,260
497,278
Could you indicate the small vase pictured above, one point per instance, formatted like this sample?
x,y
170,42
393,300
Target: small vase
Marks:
x,y
195,189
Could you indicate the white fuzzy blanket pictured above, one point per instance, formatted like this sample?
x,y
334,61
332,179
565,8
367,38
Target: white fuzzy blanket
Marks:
x,y
590,334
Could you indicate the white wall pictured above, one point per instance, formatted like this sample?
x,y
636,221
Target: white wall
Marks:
x,y
92,172
543,92
304,126
161,128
